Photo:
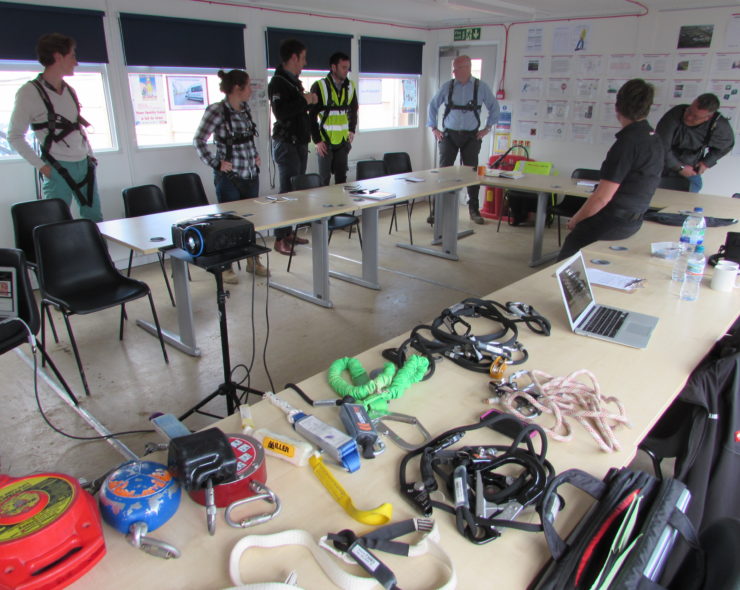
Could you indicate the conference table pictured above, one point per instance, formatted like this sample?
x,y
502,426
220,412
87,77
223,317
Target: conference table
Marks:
x,y
646,381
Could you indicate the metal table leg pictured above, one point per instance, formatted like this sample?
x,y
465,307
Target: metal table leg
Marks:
x,y
445,228
369,278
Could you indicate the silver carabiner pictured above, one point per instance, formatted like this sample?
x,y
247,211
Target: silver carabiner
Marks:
x,y
262,492
137,537
385,430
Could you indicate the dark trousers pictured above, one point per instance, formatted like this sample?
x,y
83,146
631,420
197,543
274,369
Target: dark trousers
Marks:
x,y
226,189
468,146
334,162
291,160
601,226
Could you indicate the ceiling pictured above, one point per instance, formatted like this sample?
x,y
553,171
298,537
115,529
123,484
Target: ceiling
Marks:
x,y
446,13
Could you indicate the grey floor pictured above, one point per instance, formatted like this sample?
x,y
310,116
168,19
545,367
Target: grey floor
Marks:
x,y
129,379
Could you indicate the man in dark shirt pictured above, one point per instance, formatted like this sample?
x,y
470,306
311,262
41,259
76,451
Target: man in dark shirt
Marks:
x,y
291,132
694,136
629,176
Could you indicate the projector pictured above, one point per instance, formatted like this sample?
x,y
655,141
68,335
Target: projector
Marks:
x,y
212,234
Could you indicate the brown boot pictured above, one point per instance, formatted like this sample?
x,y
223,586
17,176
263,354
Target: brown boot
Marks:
x,y
255,265
283,246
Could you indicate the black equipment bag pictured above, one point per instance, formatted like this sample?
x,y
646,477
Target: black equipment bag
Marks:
x,y
730,250
653,508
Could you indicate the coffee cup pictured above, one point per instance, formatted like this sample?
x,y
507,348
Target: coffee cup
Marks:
x,y
481,170
725,276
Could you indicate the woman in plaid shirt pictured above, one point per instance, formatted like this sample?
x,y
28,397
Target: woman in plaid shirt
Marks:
x,y
236,161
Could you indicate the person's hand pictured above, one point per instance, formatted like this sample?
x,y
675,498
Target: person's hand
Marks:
x,y
311,98
571,225
438,135
322,149
258,161
687,171
702,168
351,137
225,166
46,170
482,133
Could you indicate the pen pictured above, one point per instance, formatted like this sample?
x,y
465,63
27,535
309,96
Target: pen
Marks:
x,y
634,283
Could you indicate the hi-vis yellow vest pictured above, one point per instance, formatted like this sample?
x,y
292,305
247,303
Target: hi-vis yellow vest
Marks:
x,y
334,124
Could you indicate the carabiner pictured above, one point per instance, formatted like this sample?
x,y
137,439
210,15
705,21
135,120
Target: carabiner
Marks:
x,y
262,492
137,537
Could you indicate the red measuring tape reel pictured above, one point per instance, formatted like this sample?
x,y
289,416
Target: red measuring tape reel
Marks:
x,y
50,531
248,485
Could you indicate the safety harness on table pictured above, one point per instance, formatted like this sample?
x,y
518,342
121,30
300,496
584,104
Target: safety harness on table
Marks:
x,y
487,497
349,547
59,128
452,336
471,106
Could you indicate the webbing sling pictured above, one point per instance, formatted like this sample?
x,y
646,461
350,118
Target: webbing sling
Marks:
x,y
471,106
59,128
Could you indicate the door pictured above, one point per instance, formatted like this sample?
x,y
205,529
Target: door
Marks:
x,y
483,59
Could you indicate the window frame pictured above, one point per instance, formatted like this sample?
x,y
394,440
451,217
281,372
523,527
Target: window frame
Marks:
x,y
376,76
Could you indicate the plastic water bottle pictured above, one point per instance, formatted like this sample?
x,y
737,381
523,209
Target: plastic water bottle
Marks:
x,y
694,274
679,267
694,227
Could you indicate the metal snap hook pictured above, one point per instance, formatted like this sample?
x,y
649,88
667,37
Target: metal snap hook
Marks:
x,y
262,492
138,538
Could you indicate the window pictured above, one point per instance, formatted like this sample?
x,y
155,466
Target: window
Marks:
x,y
388,102
168,104
91,84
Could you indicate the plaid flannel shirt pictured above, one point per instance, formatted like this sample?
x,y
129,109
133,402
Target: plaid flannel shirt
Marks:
x,y
244,155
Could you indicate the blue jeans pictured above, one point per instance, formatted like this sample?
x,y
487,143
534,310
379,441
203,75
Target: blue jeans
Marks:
x,y
695,183
291,160
57,187
227,191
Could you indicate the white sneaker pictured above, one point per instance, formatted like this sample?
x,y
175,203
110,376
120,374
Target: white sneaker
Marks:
x,y
230,277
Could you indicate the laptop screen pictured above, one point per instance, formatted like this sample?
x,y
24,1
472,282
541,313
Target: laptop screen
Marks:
x,y
8,295
575,287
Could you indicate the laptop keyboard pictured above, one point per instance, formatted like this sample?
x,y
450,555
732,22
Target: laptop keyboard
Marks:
x,y
604,321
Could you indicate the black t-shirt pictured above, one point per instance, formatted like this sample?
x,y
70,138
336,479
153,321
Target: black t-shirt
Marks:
x,y
635,162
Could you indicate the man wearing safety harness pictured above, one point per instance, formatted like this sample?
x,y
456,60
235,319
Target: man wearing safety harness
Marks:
x,y
463,97
50,106
334,119
694,136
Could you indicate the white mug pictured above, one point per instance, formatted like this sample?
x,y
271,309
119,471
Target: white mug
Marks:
x,y
725,275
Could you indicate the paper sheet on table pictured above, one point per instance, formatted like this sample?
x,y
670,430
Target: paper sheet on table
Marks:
x,y
612,280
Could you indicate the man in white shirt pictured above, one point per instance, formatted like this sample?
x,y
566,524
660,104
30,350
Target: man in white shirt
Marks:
x,y
50,107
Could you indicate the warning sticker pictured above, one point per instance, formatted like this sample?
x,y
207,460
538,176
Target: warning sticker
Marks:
x,y
29,504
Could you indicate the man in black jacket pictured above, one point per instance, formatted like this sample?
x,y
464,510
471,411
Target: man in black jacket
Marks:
x,y
291,132
694,136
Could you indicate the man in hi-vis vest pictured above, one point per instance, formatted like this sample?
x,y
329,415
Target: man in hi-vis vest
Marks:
x,y
334,119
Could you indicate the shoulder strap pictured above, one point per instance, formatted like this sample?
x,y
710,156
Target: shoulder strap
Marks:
x,y
710,130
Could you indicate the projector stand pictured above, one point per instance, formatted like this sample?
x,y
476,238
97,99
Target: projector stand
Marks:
x,y
216,265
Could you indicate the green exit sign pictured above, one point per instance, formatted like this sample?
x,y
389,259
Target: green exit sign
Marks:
x,y
469,34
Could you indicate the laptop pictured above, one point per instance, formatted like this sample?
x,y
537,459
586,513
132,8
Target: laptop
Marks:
x,y
8,293
587,318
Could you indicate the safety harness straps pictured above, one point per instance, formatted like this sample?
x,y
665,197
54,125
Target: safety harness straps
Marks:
x,y
334,125
473,106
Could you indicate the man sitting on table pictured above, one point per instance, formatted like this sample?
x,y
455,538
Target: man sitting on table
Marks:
x,y
629,176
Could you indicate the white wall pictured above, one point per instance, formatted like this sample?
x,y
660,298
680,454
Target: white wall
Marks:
x,y
129,165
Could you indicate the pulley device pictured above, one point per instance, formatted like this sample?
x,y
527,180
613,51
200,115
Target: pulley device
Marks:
x,y
50,531
137,498
451,335
490,484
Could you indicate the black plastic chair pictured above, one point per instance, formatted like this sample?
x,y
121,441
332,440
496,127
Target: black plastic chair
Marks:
x,y
675,183
570,203
28,215
183,190
400,163
77,276
13,332
370,169
145,200
335,222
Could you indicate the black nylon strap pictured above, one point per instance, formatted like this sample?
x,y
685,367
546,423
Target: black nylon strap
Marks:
x,y
475,107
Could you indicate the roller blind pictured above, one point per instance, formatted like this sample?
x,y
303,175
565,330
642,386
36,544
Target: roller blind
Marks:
x,y
319,46
21,25
390,56
178,42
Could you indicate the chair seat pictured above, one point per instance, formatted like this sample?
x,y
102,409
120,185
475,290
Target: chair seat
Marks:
x,y
341,220
12,334
98,296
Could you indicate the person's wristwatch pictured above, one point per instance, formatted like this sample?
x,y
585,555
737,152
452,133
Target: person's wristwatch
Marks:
x,y
680,168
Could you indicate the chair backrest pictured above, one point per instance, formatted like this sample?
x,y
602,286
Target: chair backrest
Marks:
x,y
305,181
72,257
586,174
143,200
29,214
28,310
397,162
183,190
675,183
527,167
370,169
